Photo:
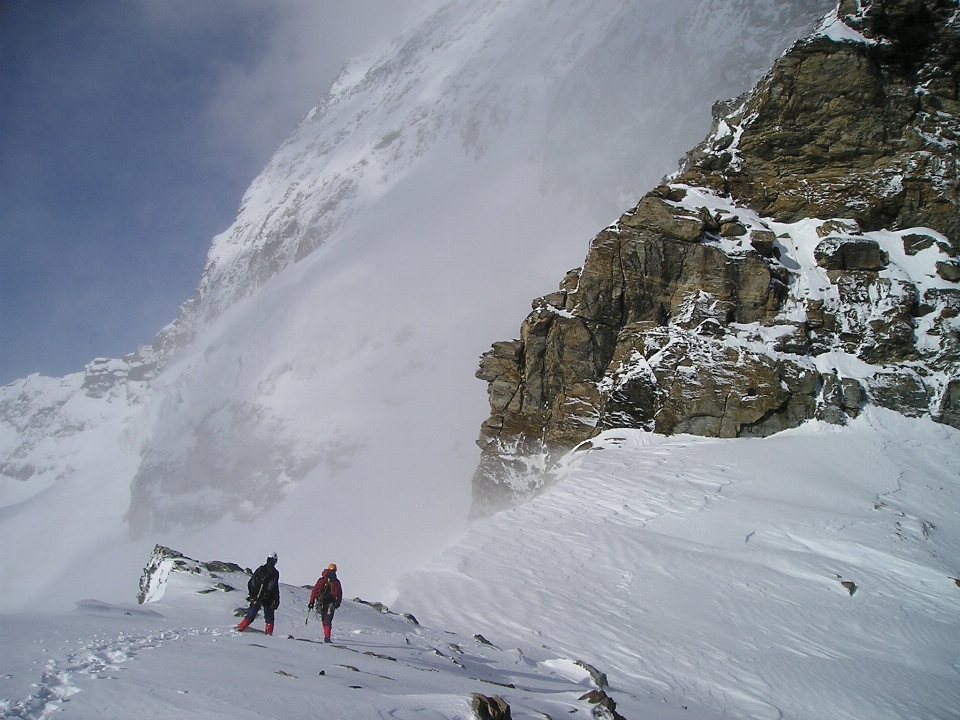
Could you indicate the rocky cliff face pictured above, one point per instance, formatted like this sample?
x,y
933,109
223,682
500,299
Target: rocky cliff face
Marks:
x,y
803,263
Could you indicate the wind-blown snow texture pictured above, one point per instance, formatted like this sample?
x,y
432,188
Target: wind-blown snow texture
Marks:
x,y
177,656
711,571
703,577
442,184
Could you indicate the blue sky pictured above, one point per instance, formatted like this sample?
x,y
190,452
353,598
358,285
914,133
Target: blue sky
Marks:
x,y
129,131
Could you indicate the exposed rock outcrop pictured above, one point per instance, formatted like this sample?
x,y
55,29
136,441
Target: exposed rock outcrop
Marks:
x,y
859,120
485,707
801,265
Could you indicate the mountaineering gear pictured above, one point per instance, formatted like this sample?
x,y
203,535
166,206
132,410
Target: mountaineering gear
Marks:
x,y
264,591
327,589
268,630
264,584
332,566
329,593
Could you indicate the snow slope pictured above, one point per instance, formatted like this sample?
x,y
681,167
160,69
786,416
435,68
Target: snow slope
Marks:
x,y
703,577
711,572
329,379
178,656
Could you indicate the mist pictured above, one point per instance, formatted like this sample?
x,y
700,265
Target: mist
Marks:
x,y
326,407
128,133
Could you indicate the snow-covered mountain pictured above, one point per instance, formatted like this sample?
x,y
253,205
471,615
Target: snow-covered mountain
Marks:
x,y
315,394
803,263
312,397
809,574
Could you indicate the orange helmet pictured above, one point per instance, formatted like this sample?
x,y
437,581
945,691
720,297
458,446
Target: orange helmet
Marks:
x,y
332,566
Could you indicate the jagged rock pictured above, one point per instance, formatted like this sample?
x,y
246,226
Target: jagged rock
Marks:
x,y
599,678
794,341
835,227
872,126
500,368
161,555
102,374
676,323
840,398
745,394
376,605
914,243
831,407
949,409
669,192
763,241
849,586
710,223
604,705
850,253
875,319
489,708
216,566
949,271
853,396
657,216
732,229
902,390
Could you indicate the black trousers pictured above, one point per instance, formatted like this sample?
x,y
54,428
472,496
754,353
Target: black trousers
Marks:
x,y
326,612
254,610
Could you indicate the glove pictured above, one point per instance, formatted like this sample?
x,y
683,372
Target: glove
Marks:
x,y
337,606
310,606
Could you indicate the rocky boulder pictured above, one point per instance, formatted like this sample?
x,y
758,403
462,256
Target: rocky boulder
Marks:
x,y
850,253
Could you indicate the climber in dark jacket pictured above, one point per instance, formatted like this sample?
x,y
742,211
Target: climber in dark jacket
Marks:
x,y
264,591
329,593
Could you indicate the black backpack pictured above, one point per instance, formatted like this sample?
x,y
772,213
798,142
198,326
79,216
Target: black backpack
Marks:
x,y
255,584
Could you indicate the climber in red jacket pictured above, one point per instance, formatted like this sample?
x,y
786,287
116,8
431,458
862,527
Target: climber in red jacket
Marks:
x,y
329,594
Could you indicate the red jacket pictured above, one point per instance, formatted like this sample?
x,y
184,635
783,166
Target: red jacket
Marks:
x,y
336,591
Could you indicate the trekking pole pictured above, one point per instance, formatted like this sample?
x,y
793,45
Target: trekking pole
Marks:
x,y
307,620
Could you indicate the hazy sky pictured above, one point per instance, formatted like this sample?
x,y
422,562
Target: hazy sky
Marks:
x,y
128,133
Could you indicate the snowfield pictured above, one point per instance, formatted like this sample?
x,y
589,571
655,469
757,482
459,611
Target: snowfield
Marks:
x,y
711,572
178,656
806,575
323,405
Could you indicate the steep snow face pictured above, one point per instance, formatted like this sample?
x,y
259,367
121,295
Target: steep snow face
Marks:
x,y
329,405
806,575
578,87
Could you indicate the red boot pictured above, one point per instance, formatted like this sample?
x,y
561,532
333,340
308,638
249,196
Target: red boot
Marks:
x,y
326,633
244,624
268,630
